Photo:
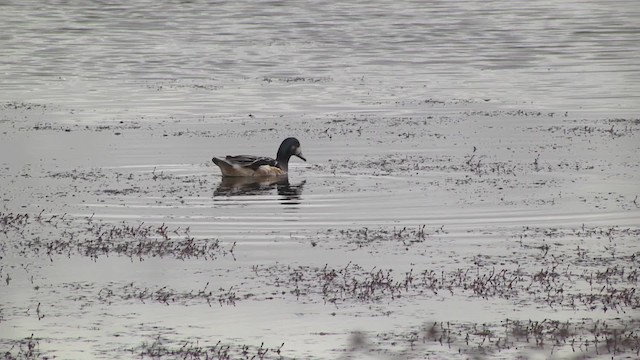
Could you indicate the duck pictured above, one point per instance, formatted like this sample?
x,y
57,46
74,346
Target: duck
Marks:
x,y
259,166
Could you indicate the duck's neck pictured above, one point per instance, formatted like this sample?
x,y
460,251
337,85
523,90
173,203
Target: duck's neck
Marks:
x,y
283,157
283,163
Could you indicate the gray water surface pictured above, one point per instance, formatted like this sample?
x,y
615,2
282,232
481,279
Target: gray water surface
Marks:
x,y
197,57
466,139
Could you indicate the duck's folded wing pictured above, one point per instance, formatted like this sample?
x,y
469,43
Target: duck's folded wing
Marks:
x,y
252,162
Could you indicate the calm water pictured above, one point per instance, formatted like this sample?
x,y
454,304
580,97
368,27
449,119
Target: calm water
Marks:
x,y
191,58
483,123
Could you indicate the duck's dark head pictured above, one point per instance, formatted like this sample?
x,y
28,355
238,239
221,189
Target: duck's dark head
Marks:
x,y
289,147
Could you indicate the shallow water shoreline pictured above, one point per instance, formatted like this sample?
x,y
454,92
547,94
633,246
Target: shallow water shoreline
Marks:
x,y
128,229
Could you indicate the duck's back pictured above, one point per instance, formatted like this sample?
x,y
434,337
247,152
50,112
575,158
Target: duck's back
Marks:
x,y
250,160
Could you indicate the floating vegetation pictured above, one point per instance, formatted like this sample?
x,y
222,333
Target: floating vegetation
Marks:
x,y
23,349
521,339
608,290
95,239
162,348
366,236
167,295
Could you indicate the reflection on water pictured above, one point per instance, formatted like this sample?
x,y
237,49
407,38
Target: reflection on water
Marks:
x,y
290,194
249,186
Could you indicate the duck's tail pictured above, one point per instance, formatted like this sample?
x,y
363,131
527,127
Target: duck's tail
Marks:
x,y
224,166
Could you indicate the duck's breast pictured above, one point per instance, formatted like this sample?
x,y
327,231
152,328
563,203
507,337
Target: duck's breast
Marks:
x,y
268,170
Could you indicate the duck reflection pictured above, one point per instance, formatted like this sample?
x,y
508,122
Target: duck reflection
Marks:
x,y
247,186
290,194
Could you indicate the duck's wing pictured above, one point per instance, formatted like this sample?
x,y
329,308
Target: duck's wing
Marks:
x,y
249,161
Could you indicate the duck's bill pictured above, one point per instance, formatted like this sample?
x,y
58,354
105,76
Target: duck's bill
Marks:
x,y
300,156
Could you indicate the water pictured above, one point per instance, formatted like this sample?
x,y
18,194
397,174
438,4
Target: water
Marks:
x,y
451,136
202,58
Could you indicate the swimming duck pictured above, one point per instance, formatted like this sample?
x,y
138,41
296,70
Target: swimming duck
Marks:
x,y
248,165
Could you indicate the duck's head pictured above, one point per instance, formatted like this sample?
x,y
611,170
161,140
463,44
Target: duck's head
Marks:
x,y
289,147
